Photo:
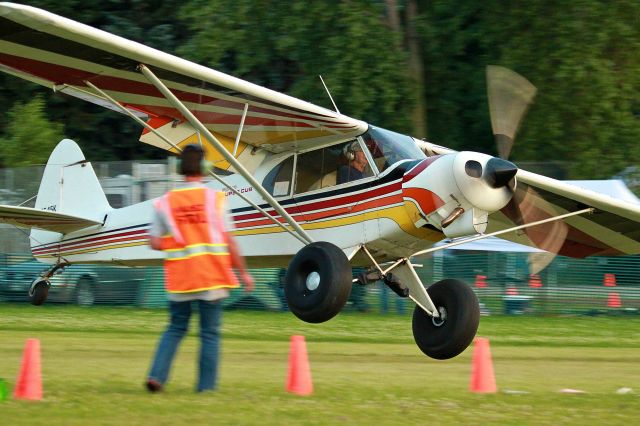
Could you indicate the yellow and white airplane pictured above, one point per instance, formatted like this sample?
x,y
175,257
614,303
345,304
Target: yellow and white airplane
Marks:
x,y
307,186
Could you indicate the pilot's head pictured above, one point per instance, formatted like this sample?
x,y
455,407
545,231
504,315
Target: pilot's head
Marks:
x,y
192,160
351,149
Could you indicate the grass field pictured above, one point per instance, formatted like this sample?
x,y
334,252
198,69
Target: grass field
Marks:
x,y
366,370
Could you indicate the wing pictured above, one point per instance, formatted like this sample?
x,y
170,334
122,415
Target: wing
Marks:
x,y
27,217
611,230
64,55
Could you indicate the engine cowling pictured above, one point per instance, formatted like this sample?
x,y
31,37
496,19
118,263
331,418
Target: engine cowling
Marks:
x,y
465,188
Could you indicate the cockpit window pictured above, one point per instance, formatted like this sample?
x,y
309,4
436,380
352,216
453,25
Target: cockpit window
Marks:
x,y
331,166
387,147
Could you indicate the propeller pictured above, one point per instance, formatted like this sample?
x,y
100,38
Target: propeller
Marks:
x,y
509,96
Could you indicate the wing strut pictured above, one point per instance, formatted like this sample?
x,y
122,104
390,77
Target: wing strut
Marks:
x,y
404,269
178,149
502,231
173,100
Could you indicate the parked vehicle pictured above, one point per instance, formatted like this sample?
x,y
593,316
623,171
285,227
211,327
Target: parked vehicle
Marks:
x,y
84,285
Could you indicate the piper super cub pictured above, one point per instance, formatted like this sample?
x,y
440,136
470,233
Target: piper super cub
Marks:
x,y
307,186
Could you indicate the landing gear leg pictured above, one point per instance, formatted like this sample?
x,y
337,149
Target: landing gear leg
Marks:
x,y
39,289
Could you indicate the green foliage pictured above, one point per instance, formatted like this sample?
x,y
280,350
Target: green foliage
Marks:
x,y
30,136
580,55
286,45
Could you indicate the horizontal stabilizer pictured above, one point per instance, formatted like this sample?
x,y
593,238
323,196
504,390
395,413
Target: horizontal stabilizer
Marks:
x,y
27,217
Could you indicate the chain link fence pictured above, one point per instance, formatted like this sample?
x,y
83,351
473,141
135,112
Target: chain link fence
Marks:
x,y
592,286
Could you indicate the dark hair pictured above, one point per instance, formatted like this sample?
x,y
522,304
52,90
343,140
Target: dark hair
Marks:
x,y
191,160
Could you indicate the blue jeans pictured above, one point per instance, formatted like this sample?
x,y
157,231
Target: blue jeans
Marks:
x,y
210,318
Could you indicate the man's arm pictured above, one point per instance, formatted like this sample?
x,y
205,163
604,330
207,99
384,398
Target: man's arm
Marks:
x,y
156,230
237,261
155,242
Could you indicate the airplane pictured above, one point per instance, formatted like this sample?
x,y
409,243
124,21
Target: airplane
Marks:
x,y
284,165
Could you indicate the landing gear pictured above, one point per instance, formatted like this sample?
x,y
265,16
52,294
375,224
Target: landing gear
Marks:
x,y
449,334
38,291
318,282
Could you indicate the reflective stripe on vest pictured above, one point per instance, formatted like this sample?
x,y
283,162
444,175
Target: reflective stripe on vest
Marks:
x,y
196,250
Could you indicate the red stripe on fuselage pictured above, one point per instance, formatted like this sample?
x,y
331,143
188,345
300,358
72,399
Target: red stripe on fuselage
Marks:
x,y
419,168
92,242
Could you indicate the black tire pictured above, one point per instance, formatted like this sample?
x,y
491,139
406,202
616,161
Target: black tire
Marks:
x,y
445,339
38,294
318,282
85,294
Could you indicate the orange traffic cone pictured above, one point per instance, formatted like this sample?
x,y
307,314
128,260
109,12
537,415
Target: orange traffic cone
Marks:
x,y
481,281
512,291
534,281
609,280
613,301
299,375
29,383
482,377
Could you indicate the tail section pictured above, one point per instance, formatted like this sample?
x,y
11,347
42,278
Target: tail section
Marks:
x,y
69,190
70,186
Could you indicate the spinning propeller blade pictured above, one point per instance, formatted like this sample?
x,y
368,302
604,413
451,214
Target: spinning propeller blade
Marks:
x,y
509,96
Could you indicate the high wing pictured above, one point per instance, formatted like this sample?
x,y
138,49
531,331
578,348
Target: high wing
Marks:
x,y
64,55
612,229
27,217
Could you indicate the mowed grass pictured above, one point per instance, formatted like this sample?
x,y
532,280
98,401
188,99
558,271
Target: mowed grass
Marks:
x,y
365,368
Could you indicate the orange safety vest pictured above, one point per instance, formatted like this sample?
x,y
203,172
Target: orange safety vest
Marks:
x,y
197,253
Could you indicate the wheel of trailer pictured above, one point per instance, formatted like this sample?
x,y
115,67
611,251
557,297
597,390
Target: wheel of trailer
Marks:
x,y
451,333
318,282
85,292
39,292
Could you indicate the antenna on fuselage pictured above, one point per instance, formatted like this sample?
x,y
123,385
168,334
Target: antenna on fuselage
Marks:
x,y
329,93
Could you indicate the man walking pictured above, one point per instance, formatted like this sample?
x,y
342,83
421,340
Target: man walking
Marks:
x,y
190,224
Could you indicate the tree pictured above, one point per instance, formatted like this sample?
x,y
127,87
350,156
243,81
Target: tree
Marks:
x,y
30,136
582,56
286,45
106,134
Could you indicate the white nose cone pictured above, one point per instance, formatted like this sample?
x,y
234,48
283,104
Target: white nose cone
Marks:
x,y
477,181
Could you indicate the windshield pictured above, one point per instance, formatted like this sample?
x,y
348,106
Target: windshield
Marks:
x,y
387,147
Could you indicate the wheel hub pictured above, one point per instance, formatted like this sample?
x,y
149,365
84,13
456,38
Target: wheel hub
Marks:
x,y
313,281
439,321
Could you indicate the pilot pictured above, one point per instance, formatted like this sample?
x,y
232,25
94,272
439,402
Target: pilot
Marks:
x,y
357,163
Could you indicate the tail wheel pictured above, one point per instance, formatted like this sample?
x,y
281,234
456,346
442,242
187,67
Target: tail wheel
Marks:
x,y
85,292
318,282
451,333
38,292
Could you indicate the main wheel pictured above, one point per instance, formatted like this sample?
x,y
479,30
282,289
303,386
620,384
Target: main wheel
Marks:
x,y
39,292
318,282
85,292
451,333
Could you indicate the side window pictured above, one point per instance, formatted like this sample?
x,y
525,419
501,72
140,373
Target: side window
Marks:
x,y
309,171
353,164
278,180
331,166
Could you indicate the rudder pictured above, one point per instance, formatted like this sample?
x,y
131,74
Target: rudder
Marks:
x,y
69,185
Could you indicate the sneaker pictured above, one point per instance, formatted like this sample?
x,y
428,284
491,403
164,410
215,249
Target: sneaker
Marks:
x,y
154,386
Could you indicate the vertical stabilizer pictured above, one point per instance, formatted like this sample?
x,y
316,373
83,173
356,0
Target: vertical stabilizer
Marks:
x,y
69,185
